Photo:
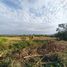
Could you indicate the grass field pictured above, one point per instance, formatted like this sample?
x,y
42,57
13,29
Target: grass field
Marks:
x,y
32,51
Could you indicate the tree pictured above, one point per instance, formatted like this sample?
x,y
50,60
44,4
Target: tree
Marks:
x,y
62,31
62,27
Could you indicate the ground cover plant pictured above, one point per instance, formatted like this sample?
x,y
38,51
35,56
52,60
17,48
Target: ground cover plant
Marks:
x,y
32,51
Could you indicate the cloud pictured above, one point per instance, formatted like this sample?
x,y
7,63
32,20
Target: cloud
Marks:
x,y
14,4
31,16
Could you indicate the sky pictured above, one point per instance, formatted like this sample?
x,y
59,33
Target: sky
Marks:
x,y
32,16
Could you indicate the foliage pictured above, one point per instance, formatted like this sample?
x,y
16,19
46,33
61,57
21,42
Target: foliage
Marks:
x,y
32,53
62,32
5,62
2,43
19,45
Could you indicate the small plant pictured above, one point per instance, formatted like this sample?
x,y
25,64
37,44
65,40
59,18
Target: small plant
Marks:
x,y
19,45
5,62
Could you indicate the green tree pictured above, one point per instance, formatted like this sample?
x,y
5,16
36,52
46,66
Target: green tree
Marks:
x,y
62,31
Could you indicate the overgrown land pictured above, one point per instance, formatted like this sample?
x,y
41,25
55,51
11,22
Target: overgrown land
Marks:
x,y
32,51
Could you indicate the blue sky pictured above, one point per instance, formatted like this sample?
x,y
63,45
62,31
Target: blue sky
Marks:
x,y
32,16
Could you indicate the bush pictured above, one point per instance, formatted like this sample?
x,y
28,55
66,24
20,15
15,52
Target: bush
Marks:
x,y
62,35
19,45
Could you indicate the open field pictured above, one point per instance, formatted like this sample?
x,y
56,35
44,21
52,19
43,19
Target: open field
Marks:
x,y
32,51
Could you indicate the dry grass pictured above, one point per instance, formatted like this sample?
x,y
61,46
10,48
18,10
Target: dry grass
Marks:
x,y
38,49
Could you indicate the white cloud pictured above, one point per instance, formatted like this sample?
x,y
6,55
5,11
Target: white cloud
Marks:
x,y
38,16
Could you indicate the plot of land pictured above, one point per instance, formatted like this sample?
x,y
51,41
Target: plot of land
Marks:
x,y
32,51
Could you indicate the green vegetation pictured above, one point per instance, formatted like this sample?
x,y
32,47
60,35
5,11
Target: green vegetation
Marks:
x,y
32,52
19,45
62,32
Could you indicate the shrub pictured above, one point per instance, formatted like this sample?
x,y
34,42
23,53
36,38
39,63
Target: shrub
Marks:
x,y
19,45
